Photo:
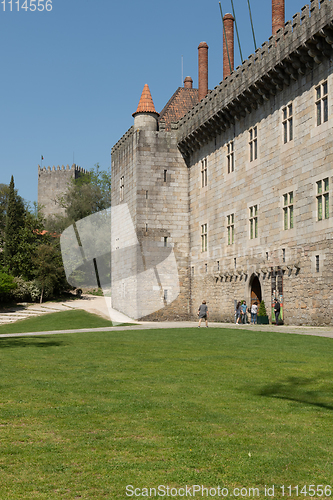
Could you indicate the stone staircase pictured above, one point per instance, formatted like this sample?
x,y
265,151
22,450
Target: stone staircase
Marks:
x,y
23,311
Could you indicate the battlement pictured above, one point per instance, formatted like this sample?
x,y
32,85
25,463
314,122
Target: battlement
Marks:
x,y
53,183
301,45
74,167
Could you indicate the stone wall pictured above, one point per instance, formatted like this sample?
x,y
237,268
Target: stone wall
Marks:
x,y
52,184
279,169
155,179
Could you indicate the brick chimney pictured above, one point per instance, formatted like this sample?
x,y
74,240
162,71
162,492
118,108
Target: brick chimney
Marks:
x,y
228,48
278,16
203,69
188,82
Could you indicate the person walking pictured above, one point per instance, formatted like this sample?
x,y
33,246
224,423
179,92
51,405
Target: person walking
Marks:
x,y
244,313
203,313
254,313
238,312
277,311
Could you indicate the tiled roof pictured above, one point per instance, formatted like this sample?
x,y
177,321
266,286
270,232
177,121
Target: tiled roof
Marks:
x,y
180,103
146,104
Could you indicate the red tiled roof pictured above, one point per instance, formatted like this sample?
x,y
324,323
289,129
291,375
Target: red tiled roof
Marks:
x,y
180,103
146,104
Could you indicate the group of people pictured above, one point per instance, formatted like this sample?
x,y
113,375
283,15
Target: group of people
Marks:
x,y
242,310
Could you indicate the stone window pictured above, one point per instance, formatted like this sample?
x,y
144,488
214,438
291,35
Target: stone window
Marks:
x,y
165,241
204,172
287,122
253,143
231,228
322,103
253,220
288,210
204,238
121,187
323,211
317,263
165,176
230,157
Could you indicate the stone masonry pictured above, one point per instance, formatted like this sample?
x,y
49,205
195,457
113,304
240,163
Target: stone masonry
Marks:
x,y
241,186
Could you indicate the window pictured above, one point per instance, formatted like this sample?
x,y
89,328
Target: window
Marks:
x,y
253,219
283,255
165,241
322,103
165,176
146,194
317,263
204,172
231,228
230,157
122,185
288,210
204,238
253,137
218,266
323,199
287,122
165,295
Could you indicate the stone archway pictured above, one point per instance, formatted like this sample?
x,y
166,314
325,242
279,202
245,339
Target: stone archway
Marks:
x,y
255,287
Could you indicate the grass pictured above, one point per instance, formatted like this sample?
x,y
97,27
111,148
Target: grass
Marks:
x,y
84,415
66,320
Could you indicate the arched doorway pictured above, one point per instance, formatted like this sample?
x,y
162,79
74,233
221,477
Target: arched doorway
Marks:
x,y
255,290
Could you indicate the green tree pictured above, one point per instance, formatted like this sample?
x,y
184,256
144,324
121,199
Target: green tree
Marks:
x,y
86,195
7,284
48,269
15,220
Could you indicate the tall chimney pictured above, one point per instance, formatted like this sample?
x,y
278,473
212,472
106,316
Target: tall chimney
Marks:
x,y
228,48
278,16
203,69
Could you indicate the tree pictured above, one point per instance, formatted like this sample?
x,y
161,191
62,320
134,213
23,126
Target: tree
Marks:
x,y
86,195
48,269
7,284
15,219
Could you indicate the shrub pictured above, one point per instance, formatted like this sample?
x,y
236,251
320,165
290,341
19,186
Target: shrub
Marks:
x,y
7,284
262,309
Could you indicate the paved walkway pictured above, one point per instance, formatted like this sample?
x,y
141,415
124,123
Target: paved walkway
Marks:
x,y
98,305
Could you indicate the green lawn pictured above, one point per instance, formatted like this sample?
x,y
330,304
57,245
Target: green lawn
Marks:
x,y
66,320
83,415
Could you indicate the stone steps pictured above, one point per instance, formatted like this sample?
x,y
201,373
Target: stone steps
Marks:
x,y
14,315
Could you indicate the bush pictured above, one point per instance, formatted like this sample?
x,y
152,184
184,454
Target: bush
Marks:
x,y
262,309
7,284
26,291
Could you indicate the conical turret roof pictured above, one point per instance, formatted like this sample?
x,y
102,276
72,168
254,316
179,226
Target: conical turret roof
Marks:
x,y
146,104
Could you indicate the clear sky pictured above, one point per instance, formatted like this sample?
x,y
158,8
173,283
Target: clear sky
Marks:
x,y
71,77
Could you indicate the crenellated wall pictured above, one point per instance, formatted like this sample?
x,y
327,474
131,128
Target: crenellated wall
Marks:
x,y
303,44
52,184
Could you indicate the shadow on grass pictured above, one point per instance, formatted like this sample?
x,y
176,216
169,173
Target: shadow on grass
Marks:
x,y
316,391
6,343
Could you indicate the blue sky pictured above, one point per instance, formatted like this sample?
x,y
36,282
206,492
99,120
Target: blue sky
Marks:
x,y
72,77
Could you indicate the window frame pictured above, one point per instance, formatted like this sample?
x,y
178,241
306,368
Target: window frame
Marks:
x,y
204,237
253,222
288,123
231,156
253,143
321,102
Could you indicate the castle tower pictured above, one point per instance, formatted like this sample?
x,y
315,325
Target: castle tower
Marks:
x,y
53,183
145,117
